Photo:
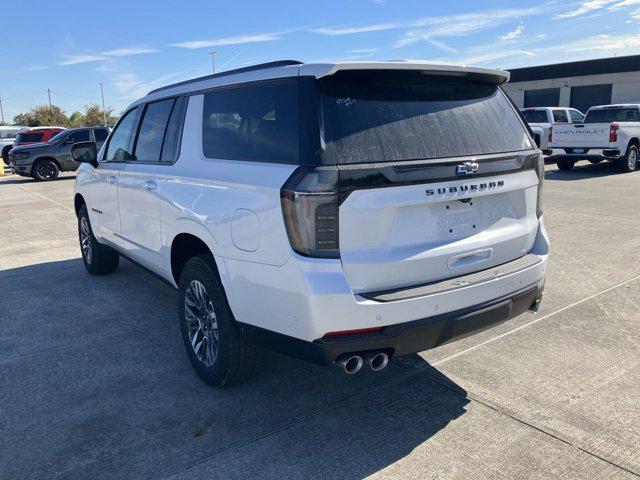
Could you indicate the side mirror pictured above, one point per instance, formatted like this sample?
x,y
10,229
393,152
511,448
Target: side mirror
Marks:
x,y
85,152
68,141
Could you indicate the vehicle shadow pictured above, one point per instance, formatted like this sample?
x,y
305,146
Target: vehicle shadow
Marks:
x,y
96,383
583,170
20,180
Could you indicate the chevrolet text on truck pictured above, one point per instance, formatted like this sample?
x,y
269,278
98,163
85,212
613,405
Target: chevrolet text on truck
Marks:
x,y
341,213
544,118
609,132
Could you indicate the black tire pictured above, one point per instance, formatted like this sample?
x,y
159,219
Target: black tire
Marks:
x,y
98,259
230,359
44,170
629,162
565,164
5,154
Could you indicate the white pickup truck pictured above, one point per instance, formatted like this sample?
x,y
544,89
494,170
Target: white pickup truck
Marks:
x,y
545,118
609,132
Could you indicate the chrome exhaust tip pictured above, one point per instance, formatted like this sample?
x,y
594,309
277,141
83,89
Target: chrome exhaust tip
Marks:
x,y
377,360
350,363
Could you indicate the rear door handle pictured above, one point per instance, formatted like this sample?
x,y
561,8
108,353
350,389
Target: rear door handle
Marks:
x,y
149,185
112,179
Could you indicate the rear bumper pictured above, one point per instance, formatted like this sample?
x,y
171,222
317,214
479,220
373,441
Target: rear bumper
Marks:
x,y
589,153
404,338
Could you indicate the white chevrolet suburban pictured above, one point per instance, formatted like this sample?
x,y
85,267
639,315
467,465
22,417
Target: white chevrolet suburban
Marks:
x,y
341,213
545,118
609,132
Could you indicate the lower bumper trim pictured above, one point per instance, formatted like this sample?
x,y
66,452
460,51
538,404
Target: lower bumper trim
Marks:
x,y
404,338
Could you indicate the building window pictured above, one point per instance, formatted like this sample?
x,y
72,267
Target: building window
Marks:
x,y
544,97
589,95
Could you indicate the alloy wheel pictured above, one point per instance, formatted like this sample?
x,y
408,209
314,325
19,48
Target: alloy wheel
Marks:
x,y
85,240
632,159
45,170
202,323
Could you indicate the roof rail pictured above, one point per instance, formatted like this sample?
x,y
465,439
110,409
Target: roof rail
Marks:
x,y
260,66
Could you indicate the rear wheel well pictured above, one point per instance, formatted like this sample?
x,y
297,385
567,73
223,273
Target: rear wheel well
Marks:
x,y
184,247
78,202
635,142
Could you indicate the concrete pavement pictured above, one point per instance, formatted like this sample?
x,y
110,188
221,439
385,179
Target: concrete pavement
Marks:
x,y
94,382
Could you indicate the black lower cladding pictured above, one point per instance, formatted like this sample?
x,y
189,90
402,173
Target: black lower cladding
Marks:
x,y
403,338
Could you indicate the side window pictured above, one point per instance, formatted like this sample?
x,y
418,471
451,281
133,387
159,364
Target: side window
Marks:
x,y
173,133
79,136
258,122
101,134
560,116
152,130
576,116
119,145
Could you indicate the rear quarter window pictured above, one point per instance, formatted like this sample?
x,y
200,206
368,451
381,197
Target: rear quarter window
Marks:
x,y
257,122
395,116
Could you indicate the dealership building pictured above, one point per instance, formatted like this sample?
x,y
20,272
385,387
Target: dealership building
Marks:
x,y
577,84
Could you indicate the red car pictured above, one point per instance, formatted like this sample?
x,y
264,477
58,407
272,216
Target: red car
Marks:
x,y
36,135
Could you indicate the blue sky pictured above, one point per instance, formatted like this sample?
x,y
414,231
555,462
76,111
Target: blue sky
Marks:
x,y
136,45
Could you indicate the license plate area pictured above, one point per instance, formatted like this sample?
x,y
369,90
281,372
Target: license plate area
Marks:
x,y
460,217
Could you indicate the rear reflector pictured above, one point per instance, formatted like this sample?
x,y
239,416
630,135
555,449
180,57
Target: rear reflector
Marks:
x,y
352,332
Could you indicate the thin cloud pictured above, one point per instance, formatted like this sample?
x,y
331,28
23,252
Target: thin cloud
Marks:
x,y
130,86
513,34
128,51
117,52
238,40
590,6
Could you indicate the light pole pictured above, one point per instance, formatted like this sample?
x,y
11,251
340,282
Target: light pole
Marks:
x,y
49,93
1,110
104,110
213,60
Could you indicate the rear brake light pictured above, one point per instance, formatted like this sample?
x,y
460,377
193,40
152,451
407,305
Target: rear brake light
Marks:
x,y
613,132
310,209
550,134
538,165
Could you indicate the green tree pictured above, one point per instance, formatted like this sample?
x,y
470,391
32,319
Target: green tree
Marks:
x,y
76,119
93,116
42,115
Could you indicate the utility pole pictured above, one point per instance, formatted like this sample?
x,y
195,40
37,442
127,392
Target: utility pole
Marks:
x,y
1,110
213,60
49,93
104,111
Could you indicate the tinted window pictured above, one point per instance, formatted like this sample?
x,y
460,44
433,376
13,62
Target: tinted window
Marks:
x,y
101,134
382,117
576,116
152,130
79,136
258,122
171,135
119,145
560,116
535,116
29,137
607,115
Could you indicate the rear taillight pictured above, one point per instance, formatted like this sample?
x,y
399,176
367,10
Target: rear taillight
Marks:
x,y
310,209
550,134
613,132
539,166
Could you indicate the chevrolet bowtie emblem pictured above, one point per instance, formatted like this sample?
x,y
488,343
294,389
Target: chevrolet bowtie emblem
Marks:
x,y
467,168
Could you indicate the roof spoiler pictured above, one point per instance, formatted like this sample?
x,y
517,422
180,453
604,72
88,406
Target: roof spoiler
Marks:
x,y
491,75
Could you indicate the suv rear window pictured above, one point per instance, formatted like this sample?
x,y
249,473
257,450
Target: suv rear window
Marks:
x,y
257,122
535,116
374,116
607,115
29,137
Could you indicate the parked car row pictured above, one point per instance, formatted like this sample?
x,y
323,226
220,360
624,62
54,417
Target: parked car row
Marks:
x,y
545,118
44,152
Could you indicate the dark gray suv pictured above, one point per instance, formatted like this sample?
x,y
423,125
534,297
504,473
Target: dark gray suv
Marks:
x,y
44,161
